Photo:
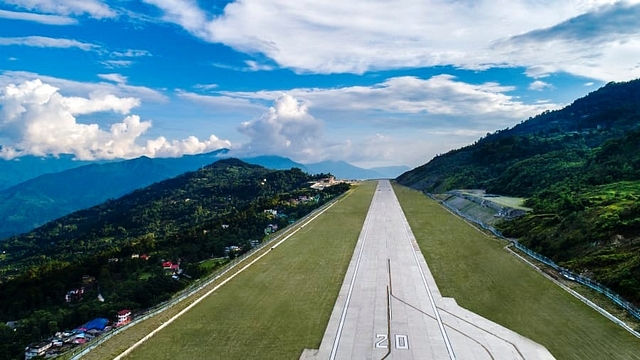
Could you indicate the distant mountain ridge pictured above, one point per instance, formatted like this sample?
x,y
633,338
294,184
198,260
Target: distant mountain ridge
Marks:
x,y
48,196
344,170
13,172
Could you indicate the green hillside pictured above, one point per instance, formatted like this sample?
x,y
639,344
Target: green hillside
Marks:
x,y
118,249
579,168
556,141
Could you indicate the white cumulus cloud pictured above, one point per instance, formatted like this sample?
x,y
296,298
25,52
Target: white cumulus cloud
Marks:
x,y
539,85
79,88
288,129
285,129
35,119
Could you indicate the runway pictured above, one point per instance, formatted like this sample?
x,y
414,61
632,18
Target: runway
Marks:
x,y
389,306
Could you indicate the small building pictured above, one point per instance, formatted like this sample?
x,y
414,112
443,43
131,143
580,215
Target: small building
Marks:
x,y
80,339
95,324
271,228
74,295
233,249
169,265
37,350
124,317
271,212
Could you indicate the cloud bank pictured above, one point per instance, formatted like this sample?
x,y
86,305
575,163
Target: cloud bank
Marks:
x,y
439,97
371,124
360,36
35,119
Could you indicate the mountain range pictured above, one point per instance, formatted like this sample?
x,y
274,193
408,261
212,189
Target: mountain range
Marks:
x,y
579,170
59,186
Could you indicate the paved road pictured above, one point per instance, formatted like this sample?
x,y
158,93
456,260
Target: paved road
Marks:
x,y
389,305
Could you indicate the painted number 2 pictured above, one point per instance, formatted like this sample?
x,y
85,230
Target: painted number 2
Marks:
x,y
381,342
401,342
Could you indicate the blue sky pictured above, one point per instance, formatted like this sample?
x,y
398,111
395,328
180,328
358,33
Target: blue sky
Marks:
x,y
374,83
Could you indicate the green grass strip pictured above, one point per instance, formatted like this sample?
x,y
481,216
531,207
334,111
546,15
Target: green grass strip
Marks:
x,y
278,306
483,277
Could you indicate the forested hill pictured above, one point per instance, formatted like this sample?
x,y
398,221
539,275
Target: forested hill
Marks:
x,y
560,142
579,169
219,211
169,210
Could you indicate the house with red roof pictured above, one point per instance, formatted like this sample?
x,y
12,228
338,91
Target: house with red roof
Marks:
x,y
124,317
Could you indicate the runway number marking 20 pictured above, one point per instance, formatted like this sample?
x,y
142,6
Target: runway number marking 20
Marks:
x,y
401,342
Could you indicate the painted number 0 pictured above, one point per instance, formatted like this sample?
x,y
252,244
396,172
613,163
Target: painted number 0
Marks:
x,y
401,342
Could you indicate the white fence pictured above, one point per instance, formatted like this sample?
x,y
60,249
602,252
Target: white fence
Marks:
x,y
629,307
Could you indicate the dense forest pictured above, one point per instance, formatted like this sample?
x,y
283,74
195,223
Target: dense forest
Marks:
x,y
579,168
120,253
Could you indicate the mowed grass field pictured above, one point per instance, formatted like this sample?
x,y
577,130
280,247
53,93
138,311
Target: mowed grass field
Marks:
x,y
483,277
278,306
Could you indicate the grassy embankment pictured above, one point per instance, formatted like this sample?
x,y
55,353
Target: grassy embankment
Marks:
x,y
275,308
475,270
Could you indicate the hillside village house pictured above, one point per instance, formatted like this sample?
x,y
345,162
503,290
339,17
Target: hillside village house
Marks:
x,y
124,317
37,350
74,295
169,265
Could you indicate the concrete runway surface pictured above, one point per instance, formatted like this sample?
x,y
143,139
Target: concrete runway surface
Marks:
x,y
389,306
